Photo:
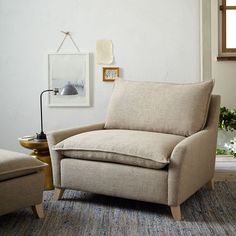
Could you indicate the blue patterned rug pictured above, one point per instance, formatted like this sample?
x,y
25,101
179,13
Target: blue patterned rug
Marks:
x,y
81,214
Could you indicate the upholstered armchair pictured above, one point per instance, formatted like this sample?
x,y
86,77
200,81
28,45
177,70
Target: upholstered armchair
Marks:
x,y
157,145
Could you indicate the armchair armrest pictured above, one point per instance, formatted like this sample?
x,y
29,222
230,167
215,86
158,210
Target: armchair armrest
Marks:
x,y
57,136
192,162
192,165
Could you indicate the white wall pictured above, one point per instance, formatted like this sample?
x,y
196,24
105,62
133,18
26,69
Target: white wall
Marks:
x,y
153,40
206,55
223,72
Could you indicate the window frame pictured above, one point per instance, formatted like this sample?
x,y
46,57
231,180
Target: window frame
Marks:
x,y
223,9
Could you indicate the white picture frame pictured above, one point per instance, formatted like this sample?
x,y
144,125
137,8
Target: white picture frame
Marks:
x,y
69,68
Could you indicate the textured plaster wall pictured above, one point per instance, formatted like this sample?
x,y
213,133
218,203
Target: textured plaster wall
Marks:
x,y
153,40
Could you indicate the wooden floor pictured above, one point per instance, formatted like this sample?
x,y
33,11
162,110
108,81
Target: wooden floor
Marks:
x,y
225,169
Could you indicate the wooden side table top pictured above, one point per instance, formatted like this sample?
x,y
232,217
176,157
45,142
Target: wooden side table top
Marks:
x,y
32,144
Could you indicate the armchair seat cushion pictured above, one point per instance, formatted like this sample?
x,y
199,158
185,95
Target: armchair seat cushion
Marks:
x,y
137,148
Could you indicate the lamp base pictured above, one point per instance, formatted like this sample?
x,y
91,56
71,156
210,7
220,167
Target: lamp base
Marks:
x,y
41,136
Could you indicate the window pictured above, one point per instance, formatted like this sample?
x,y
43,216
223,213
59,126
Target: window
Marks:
x,y
228,26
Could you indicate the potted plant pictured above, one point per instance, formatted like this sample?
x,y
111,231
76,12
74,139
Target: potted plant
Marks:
x,y
226,143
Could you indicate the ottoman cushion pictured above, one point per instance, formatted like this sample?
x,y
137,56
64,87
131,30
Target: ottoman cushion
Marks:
x,y
13,164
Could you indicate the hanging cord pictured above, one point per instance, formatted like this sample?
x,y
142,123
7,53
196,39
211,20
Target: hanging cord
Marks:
x,y
67,34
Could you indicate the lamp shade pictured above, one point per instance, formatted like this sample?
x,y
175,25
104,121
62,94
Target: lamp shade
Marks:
x,y
69,89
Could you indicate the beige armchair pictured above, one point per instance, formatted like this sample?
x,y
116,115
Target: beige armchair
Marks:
x,y
157,145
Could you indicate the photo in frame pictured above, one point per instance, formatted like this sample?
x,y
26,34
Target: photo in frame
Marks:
x,y
69,72
110,73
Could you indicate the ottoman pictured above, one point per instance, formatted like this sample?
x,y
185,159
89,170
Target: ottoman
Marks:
x,y
21,182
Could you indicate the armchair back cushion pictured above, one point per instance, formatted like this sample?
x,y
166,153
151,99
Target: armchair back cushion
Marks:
x,y
179,109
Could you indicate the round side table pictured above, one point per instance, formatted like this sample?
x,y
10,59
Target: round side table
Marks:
x,y
41,152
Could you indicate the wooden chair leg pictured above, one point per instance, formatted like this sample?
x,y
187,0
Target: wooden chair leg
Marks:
x,y
58,192
210,184
176,212
38,210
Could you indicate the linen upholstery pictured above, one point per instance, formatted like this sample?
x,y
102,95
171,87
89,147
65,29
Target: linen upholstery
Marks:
x,y
20,192
160,107
193,160
115,180
138,148
191,166
13,164
55,137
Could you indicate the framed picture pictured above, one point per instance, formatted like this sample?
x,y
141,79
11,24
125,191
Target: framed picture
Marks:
x,y
110,73
69,73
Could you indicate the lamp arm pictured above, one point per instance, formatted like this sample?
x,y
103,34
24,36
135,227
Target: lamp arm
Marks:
x,y
41,107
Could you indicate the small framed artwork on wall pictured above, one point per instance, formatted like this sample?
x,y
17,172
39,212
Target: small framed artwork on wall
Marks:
x,y
110,73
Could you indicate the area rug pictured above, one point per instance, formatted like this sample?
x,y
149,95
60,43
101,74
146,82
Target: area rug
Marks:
x,y
83,214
